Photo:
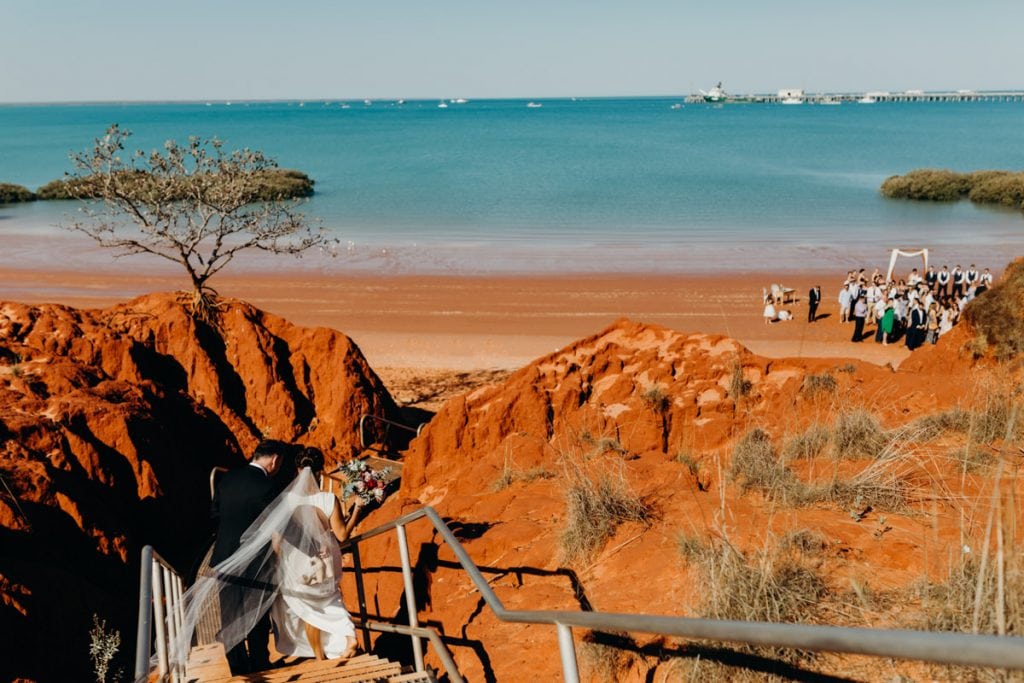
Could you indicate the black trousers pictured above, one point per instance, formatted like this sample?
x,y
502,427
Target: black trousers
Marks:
x,y
253,653
812,312
858,328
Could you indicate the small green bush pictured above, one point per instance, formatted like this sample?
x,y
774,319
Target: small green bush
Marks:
x,y
270,184
982,187
932,184
12,194
1002,188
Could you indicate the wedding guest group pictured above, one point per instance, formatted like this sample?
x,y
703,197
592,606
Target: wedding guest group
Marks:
x,y
916,310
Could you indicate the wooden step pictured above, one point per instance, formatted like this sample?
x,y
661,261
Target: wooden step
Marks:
x,y
207,664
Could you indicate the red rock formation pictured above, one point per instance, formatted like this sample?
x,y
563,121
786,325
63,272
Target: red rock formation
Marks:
x,y
110,421
632,398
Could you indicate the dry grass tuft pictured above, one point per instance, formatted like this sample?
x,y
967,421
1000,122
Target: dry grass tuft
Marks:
x,y
606,656
656,398
777,585
756,465
952,605
804,541
857,434
936,424
598,499
738,386
815,385
807,444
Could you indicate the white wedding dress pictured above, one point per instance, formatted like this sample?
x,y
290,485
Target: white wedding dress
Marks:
x,y
309,568
289,564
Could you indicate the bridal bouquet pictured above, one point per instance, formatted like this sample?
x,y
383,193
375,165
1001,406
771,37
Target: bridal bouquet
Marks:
x,y
364,482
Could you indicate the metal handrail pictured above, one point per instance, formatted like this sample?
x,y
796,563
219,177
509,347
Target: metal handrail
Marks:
x,y
940,648
157,579
420,632
160,591
391,423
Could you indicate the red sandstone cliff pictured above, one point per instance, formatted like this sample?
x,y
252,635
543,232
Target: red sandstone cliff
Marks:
x,y
110,421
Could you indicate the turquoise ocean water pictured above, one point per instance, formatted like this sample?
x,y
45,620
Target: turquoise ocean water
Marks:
x,y
628,185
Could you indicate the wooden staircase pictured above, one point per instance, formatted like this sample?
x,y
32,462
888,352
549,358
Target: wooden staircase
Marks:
x,y
207,664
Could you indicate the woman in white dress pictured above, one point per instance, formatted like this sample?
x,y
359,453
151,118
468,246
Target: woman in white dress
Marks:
x,y
288,563
309,616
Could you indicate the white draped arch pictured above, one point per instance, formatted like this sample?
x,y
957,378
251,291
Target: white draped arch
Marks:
x,y
896,253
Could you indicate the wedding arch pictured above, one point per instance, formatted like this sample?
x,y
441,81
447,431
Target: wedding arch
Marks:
x,y
896,253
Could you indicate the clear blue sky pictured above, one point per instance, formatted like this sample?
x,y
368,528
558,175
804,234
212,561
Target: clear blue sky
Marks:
x,y
65,50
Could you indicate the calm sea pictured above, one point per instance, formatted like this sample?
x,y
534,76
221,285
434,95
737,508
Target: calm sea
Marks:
x,y
587,185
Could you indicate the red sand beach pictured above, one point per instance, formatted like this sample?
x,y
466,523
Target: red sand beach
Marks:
x,y
468,322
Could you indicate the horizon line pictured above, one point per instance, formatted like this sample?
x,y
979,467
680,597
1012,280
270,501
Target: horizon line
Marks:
x,y
274,100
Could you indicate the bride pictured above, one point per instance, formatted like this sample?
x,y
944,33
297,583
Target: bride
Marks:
x,y
309,617
288,563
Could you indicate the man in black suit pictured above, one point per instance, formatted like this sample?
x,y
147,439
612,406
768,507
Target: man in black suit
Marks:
x,y
813,299
241,495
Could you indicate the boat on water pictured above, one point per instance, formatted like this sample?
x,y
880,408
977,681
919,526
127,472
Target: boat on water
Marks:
x,y
716,94
442,105
830,101
676,106
460,100
534,105
792,100
867,99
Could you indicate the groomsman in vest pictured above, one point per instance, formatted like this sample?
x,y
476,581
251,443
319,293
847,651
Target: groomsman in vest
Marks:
x,y
957,276
813,299
931,278
943,280
971,278
241,495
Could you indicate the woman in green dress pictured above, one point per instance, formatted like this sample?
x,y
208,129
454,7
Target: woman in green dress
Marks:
x,y
887,321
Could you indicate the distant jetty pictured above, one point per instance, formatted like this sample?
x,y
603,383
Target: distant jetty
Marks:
x,y
872,97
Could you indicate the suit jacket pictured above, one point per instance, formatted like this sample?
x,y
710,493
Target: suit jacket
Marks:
x,y
241,495
814,296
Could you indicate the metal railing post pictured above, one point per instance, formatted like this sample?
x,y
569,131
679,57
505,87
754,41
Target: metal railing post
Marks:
x,y
410,595
144,630
570,668
357,569
170,610
159,619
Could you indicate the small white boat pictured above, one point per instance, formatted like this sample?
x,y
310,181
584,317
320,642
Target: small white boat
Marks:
x,y
792,100
367,102
829,100
676,106
460,100
867,99
401,102
442,105
534,105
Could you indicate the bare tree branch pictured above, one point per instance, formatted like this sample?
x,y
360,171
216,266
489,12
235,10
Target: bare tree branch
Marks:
x,y
195,204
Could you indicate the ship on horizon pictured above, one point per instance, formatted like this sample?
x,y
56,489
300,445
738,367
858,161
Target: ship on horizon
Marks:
x,y
716,94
